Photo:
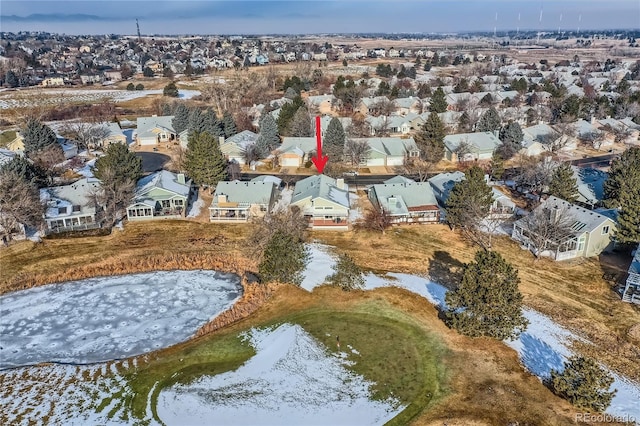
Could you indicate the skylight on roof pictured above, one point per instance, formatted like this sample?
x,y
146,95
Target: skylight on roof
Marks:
x,y
578,226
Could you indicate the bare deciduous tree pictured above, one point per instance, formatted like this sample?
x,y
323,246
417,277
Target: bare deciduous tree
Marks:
x,y
88,135
375,220
19,204
113,196
545,228
356,150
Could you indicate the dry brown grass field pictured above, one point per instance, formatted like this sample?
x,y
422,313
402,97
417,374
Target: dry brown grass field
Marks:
x,y
486,382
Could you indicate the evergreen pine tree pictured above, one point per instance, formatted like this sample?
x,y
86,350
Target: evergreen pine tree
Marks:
x,y
430,139
622,191
469,200
204,162
211,123
563,183
287,111
346,274
228,125
583,383
334,139
118,164
167,109
464,123
487,301
489,121
301,123
12,79
496,166
37,136
511,137
269,132
284,259
180,120
170,90
197,123
28,171
438,102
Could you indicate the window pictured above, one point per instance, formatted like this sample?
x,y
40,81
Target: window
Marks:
x,y
62,210
76,209
414,154
177,202
166,204
605,230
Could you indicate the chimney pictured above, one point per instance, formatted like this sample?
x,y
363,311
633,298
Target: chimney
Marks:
x,y
181,178
593,120
340,183
221,139
222,198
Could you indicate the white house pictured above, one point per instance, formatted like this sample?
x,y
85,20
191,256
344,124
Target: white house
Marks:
x,y
151,131
324,201
71,207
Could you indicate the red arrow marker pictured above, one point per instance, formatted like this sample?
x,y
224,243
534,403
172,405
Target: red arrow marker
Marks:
x,y
319,160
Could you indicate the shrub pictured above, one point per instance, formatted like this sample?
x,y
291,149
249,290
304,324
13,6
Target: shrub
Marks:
x,y
347,275
583,383
131,86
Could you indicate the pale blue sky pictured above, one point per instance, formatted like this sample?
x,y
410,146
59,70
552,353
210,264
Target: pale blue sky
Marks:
x,y
309,16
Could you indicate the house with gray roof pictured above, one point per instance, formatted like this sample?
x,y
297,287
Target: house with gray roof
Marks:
x,y
589,234
631,291
71,207
540,138
240,201
389,151
324,201
590,185
154,130
405,200
160,195
233,147
442,185
476,146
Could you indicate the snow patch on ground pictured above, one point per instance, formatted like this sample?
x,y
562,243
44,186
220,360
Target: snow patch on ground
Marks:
x,y
109,318
87,169
355,212
195,208
320,266
290,380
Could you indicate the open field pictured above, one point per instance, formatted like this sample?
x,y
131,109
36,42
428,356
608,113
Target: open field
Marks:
x,y
574,294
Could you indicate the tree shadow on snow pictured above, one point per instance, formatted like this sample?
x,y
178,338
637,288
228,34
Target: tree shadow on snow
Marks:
x,y
538,357
445,270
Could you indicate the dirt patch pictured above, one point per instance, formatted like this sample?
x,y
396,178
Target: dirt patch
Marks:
x,y
634,333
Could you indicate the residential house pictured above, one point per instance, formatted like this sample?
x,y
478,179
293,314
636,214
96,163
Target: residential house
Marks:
x,y
405,200
442,184
154,130
52,82
240,201
539,139
631,291
71,207
233,147
160,195
502,207
620,130
324,201
113,134
589,133
370,106
69,147
590,185
408,105
323,104
389,151
296,151
589,235
470,146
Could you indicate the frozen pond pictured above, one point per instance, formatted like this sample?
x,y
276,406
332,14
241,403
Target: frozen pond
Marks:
x,y
107,318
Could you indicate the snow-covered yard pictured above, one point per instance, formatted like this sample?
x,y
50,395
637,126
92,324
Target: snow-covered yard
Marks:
x,y
109,318
27,98
291,380
196,208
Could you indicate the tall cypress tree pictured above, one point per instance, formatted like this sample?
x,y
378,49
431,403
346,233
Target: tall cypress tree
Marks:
x,y
334,139
197,121
211,123
269,132
487,302
438,101
229,125
180,120
122,164
622,191
563,183
430,139
287,111
204,161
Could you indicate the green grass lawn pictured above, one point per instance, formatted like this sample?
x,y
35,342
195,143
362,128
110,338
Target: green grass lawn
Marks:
x,y
6,137
402,358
